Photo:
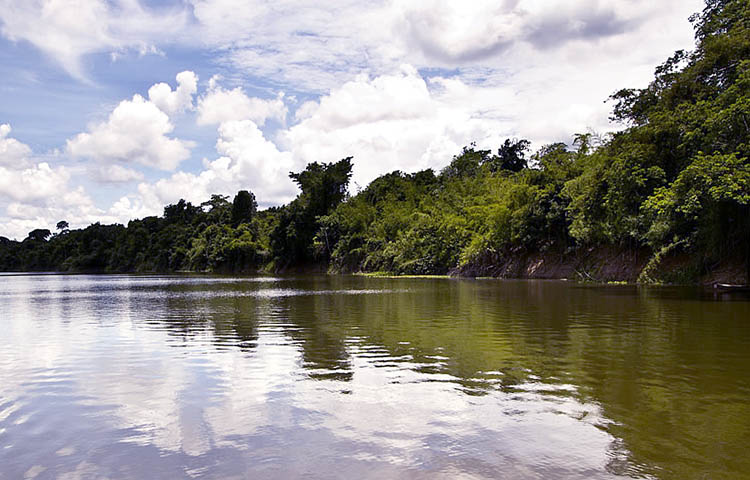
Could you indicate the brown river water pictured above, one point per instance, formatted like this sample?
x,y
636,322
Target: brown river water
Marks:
x,y
146,377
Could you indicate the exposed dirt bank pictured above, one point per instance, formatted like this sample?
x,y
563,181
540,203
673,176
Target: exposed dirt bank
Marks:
x,y
605,264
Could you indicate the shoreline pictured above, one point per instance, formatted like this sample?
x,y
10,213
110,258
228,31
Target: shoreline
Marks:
x,y
708,281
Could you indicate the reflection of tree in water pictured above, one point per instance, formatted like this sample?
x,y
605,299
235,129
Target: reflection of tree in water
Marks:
x,y
649,362
670,372
319,327
229,314
469,331
218,313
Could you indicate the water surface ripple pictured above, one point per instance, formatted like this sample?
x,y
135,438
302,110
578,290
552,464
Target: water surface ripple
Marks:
x,y
132,377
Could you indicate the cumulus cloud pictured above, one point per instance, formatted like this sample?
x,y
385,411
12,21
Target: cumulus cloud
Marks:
x,y
68,30
481,72
388,122
220,105
72,205
20,180
136,131
456,33
12,152
395,121
247,161
37,194
63,202
387,97
38,182
128,207
178,100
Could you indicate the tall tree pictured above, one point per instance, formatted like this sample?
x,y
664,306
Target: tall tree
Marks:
x,y
511,156
181,212
244,207
468,163
218,208
39,235
324,186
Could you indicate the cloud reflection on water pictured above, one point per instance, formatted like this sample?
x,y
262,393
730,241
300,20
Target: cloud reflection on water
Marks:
x,y
136,378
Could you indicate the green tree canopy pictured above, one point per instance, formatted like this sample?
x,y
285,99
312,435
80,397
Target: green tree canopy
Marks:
x,y
244,207
39,235
324,186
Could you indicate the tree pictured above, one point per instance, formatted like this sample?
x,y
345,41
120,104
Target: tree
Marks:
x,y
63,226
511,156
324,186
181,212
39,235
218,208
467,163
244,207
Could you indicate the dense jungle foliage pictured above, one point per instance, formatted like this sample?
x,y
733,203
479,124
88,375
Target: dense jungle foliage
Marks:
x,y
675,181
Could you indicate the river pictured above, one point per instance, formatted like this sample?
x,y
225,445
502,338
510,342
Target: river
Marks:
x,y
136,377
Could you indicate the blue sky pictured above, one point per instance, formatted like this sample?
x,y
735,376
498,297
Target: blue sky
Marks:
x,y
110,110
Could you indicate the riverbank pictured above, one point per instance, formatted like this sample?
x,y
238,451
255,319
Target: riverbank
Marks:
x,y
594,264
605,265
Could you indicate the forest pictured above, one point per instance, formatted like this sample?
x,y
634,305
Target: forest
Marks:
x,y
668,195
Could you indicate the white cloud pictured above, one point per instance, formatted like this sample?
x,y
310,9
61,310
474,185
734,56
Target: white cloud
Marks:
x,y
316,48
178,100
136,131
452,33
69,29
490,69
401,96
395,121
389,122
38,194
74,206
115,174
22,181
220,105
39,182
248,161
126,209
295,43
13,153
455,34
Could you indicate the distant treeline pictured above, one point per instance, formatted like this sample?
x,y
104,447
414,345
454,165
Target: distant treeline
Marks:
x,y
675,182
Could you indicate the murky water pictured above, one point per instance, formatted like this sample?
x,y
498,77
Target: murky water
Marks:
x,y
349,377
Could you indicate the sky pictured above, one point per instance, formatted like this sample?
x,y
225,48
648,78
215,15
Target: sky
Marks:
x,y
110,110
